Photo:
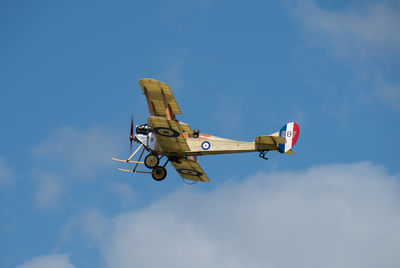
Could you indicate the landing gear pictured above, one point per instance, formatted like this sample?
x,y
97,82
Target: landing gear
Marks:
x,y
151,161
159,173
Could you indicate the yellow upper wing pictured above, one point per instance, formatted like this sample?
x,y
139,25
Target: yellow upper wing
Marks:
x,y
160,99
190,170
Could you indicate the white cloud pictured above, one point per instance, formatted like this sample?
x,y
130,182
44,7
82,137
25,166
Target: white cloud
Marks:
x,y
359,29
343,215
85,229
49,188
365,34
67,154
82,153
125,192
48,261
172,75
6,175
388,92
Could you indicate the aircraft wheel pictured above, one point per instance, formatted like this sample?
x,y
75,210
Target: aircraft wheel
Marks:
x,y
151,161
159,173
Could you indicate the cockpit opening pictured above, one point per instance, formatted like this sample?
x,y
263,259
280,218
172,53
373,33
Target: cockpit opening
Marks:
x,y
196,133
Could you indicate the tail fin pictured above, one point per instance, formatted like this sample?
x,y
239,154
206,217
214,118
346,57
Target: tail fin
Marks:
x,y
291,132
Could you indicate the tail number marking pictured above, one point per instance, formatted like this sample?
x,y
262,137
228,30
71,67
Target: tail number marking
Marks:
x,y
288,134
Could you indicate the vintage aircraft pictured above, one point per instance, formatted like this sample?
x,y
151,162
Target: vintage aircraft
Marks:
x,y
165,136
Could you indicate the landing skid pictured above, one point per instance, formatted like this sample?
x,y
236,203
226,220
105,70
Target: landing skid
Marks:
x,y
158,172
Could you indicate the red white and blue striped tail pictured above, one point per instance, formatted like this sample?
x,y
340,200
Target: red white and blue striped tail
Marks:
x,y
291,133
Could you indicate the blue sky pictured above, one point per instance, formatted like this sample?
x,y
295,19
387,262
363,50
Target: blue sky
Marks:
x,y
69,74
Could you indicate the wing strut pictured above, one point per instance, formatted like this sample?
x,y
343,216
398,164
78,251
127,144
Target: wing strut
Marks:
x,y
149,103
130,157
168,112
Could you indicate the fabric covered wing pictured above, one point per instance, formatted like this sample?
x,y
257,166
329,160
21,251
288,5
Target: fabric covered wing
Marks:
x,y
169,134
160,99
190,170
185,128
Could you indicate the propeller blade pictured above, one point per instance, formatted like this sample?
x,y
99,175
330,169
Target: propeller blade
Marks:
x,y
131,136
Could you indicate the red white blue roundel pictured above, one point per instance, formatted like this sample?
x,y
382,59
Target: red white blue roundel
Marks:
x,y
205,145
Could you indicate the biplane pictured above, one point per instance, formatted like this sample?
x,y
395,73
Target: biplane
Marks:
x,y
165,137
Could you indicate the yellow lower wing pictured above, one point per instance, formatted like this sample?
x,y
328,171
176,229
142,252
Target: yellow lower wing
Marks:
x,y
190,170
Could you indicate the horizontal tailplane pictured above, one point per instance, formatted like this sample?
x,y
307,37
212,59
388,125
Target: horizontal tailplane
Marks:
x,y
267,143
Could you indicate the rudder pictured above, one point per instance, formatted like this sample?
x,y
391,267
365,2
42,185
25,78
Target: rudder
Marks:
x,y
290,132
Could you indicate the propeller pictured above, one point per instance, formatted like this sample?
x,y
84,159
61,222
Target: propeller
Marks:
x,y
131,136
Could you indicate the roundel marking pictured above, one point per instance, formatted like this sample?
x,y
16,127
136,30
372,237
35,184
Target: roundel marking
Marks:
x,y
189,172
205,145
166,132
